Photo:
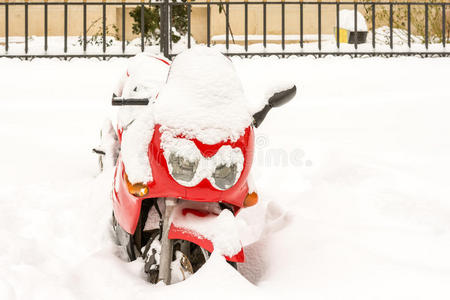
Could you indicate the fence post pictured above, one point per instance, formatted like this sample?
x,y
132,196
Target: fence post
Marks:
x,y
164,27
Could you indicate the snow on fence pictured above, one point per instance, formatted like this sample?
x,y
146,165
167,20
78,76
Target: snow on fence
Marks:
x,y
355,34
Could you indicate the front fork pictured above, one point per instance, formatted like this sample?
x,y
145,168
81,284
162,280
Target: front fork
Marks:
x,y
166,244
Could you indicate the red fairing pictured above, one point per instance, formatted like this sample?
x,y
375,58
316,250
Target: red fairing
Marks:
x,y
127,207
163,185
163,60
196,238
119,134
177,232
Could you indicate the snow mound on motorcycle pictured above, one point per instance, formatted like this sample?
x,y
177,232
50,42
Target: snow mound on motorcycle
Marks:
x,y
222,230
197,101
134,149
143,78
203,98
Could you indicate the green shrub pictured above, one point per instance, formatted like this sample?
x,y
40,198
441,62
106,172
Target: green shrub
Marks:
x,y
152,22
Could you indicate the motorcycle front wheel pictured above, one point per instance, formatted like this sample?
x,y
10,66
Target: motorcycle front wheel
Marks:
x,y
187,257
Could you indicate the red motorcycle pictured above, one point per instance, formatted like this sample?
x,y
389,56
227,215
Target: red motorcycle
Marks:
x,y
182,164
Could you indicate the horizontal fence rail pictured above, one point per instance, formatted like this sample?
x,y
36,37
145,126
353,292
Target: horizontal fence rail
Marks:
x,y
416,16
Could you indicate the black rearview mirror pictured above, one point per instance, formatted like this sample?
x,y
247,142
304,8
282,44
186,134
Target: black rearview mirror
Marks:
x,y
276,100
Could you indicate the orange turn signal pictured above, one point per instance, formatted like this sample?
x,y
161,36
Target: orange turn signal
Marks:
x,y
138,189
251,199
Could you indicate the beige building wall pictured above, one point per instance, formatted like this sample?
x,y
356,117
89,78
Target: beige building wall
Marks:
x,y
198,30
56,19
256,21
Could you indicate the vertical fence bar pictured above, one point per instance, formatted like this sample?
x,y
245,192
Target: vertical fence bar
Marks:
x,y
246,25
164,27
6,26
283,25
84,26
443,26
166,31
65,25
227,24
373,25
426,25
45,25
301,24
161,26
208,23
391,21
143,26
264,23
189,23
409,25
26,26
104,25
319,19
123,26
338,42
356,24
169,22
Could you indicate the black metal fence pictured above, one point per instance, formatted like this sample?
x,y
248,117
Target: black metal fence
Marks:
x,y
166,17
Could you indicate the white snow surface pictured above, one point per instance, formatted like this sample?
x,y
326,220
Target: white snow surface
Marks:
x,y
203,98
328,44
347,20
352,177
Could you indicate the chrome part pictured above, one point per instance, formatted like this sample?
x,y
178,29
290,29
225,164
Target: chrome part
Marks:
x,y
205,254
166,244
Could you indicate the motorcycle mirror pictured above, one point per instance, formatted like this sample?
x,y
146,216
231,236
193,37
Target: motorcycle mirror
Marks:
x,y
119,101
276,100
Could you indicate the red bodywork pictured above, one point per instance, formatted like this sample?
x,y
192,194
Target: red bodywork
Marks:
x,y
127,207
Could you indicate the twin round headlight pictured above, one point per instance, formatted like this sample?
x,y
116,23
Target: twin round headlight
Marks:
x,y
184,170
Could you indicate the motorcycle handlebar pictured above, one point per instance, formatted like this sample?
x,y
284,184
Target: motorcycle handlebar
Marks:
x,y
118,101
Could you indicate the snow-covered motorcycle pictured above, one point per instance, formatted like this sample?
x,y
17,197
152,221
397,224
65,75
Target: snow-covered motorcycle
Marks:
x,y
182,152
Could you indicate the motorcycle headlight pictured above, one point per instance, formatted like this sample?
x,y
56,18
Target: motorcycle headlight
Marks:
x,y
182,169
224,176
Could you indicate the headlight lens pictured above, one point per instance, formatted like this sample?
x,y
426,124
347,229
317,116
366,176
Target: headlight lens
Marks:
x,y
224,176
182,169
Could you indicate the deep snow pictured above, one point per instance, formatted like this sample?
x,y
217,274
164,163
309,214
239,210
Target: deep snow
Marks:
x,y
352,177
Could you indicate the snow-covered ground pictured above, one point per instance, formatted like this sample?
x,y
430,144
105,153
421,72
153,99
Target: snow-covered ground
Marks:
x,y
352,177
328,44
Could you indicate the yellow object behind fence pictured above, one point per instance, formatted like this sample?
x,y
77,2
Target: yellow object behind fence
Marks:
x,y
343,35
